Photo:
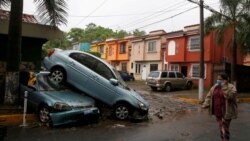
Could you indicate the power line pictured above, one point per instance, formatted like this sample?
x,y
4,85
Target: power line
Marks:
x,y
152,16
92,12
167,18
131,23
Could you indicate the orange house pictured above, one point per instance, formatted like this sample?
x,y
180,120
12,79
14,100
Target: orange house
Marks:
x,y
183,54
118,53
123,54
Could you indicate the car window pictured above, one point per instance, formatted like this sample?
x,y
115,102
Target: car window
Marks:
x,y
171,75
154,74
104,71
164,75
84,59
179,75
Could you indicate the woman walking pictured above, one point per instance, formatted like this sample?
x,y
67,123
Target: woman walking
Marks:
x,y
221,100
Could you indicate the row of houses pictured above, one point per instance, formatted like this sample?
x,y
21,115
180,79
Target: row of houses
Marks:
x,y
174,51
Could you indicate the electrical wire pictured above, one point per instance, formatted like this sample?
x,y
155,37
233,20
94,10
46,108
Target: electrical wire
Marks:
x,y
92,12
166,18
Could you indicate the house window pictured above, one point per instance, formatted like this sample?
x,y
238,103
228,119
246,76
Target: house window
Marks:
x,y
122,48
132,65
174,67
110,50
152,46
101,49
171,48
124,67
153,67
194,43
195,71
138,68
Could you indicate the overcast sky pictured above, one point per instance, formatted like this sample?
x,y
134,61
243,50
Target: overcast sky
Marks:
x,y
148,15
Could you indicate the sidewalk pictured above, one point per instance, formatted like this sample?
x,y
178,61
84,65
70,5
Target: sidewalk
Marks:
x,y
191,96
13,115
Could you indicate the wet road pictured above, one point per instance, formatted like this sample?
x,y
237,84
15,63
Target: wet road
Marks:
x,y
191,125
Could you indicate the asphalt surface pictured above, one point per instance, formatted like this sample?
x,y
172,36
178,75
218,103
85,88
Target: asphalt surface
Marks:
x,y
193,125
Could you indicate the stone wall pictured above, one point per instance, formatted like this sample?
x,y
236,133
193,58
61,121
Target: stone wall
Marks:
x,y
8,83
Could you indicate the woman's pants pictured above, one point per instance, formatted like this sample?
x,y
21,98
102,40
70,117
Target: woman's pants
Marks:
x,y
224,128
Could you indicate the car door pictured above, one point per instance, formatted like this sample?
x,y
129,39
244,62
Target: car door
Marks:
x,y
80,70
180,79
100,85
172,79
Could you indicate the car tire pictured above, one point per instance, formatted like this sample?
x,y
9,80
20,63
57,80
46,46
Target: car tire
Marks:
x,y
121,111
58,75
189,85
168,88
43,114
154,88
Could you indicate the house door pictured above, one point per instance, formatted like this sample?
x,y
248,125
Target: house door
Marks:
x,y
144,73
184,70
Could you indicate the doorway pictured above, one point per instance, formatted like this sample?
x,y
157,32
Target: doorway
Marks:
x,y
184,70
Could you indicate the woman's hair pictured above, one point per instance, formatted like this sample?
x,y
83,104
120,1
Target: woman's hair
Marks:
x,y
224,76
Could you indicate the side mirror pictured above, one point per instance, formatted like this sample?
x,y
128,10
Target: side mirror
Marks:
x,y
113,82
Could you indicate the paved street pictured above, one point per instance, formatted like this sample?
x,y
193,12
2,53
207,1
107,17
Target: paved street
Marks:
x,y
188,126
169,120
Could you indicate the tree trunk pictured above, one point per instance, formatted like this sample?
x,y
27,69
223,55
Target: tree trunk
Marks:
x,y
14,52
234,58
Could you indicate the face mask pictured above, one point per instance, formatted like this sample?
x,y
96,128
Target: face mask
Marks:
x,y
219,82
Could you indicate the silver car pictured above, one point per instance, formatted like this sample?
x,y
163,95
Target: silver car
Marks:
x,y
98,79
167,80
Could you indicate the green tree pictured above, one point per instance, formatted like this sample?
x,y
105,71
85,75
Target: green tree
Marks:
x,y
233,14
138,33
51,12
75,35
120,34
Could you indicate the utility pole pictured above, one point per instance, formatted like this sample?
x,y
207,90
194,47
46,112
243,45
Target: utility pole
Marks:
x,y
201,79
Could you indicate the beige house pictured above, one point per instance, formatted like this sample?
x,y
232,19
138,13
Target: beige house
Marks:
x,y
145,54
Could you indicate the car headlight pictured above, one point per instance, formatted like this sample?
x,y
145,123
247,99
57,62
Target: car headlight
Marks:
x,y
142,106
62,106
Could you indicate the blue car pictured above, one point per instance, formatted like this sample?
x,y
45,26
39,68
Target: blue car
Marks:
x,y
98,79
56,105
125,76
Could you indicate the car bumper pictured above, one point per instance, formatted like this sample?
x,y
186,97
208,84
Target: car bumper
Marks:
x,y
139,115
155,85
71,116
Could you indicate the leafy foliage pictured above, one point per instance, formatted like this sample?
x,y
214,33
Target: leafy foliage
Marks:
x,y
233,14
90,34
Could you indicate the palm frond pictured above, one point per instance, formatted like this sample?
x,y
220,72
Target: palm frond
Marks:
x,y
220,30
211,22
52,12
5,3
243,36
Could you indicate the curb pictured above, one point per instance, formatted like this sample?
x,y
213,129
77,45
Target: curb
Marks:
x,y
196,101
17,119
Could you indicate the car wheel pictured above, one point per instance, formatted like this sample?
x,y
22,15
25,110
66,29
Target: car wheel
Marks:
x,y
168,87
121,111
154,88
189,85
58,75
44,116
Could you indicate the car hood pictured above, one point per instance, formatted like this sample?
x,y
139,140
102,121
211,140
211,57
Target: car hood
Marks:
x,y
71,98
138,97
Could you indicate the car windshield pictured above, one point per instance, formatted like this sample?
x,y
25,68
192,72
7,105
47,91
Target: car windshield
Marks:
x,y
119,78
46,84
154,74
